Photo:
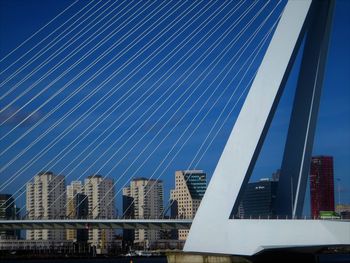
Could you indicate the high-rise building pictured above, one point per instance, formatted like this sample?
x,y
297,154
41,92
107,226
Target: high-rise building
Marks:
x,y
321,185
146,197
77,208
46,199
259,199
190,186
8,211
100,195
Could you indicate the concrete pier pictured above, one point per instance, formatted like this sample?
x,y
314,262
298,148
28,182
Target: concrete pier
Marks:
x,y
182,257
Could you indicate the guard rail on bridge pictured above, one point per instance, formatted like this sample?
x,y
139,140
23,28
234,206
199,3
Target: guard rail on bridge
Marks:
x,y
96,223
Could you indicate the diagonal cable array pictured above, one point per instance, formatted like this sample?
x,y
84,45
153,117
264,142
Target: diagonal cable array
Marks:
x,y
58,92
136,83
140,166
153,97
69,42
211,133
72,54
50,43
62,103
32,159
243,48
173,103
56,108
90,126
38,31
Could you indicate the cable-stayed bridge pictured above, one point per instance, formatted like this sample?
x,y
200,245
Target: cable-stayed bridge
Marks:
x,y
127,85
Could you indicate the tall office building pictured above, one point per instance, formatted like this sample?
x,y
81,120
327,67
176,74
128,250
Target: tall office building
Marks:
x,y
46,199
77,208
321,185
146,197
100,194
259,199
8,211
189,190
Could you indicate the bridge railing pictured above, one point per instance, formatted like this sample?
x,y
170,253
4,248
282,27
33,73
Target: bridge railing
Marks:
x,y
236,218
286,217
89,218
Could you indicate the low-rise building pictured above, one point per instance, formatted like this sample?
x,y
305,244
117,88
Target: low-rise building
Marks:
x,y
8,211
343,210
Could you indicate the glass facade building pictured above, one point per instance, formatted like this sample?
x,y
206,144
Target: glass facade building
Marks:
x,y
196,183
259,199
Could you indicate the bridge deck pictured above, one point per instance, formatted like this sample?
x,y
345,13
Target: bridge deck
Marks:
x,y
115,223
96,223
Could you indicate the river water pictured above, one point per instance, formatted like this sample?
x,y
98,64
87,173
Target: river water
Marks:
x,y
321,258
91,260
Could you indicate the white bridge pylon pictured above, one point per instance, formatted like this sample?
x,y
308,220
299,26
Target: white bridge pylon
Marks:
x,y
213,230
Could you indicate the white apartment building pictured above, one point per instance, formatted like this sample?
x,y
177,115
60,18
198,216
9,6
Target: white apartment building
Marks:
x,y
190,186
147,203
100,193
46,199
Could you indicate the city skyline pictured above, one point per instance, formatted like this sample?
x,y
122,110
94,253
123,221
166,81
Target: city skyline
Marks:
x,y
75,197
333,111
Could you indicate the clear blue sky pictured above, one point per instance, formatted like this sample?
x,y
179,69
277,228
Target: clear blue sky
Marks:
x,y
19,19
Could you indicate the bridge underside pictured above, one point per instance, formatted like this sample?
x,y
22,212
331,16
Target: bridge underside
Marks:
x,y
253,236
95,223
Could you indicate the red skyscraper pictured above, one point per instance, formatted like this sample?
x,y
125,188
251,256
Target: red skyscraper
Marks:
x,y
321,185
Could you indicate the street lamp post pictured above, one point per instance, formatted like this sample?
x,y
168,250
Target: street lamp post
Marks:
x,y
338,180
